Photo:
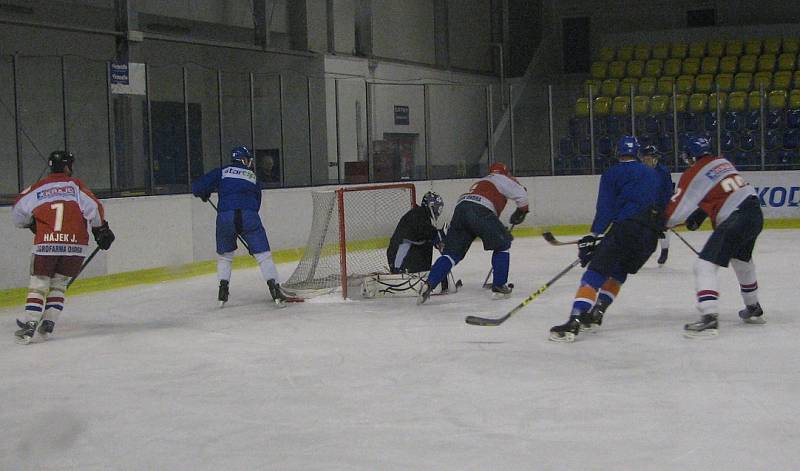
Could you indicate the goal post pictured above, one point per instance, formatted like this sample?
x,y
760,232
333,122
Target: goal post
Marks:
x,y
350,232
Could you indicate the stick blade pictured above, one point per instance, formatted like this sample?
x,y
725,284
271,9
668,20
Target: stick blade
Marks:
x,y
548,236
483,321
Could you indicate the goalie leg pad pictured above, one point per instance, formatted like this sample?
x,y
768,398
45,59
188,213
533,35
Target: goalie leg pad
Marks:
x,y
393,285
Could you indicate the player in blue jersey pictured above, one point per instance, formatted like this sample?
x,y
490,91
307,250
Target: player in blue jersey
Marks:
x,y
237,216
652,159
627,202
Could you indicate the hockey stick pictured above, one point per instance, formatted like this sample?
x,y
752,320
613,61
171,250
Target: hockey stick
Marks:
x,y
89,259
289,298
483,321
684,241
551,239
486,283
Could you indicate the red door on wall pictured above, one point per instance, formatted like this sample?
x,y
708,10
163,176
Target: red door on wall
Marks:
x,y
394,157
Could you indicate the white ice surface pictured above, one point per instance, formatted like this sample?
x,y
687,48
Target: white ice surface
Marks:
x,y
156,377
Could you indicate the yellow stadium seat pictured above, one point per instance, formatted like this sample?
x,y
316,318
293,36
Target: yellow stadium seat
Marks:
x,y
664,86
787,61
733,47
661,51
602,105
582,107
772,45
659,104
710,65
747,63
782,80
791,45
716,48
672,67
743,82
679,103
592,84
691,66
728,64
641,105
712,101
794,99
766,62
635,68
724,82
609,87
599,70
621,105
653,68
678,50
762,79
752,47
616,69
776,100
685,84
698,102
647,86
625,53
754,100
737,101
641,52
697,49
607,54
796,79
627,84
704,83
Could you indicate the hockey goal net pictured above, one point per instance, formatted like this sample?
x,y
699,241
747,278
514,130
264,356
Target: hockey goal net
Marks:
x,y
349,236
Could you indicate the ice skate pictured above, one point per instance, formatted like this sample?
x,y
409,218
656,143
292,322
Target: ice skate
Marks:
x,y
753,314
46,328
593,319
424,294
276,293
502,292
222,297
566,332
705,327
26,333
662,258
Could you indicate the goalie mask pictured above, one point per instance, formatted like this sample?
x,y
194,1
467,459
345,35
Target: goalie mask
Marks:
x,y
434,203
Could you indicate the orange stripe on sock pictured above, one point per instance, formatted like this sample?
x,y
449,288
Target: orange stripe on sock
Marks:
x,y
586,292
612,287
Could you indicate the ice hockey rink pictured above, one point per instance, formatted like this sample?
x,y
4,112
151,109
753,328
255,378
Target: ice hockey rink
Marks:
x,y
156,377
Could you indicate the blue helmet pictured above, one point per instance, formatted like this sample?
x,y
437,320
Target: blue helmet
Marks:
x,y
697,147
242,155
628,145
434,203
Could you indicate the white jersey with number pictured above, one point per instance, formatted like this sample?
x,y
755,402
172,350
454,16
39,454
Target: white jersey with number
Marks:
x,y
712,184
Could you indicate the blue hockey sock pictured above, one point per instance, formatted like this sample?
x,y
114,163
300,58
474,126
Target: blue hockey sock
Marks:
x,y
500,262
591,281
440,269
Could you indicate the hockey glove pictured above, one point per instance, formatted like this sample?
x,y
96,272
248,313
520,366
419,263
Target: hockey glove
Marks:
x,y
586,249
517,217
32,227
695,220
205,196
103,236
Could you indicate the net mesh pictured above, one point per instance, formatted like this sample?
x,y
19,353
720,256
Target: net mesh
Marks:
x,y
370,216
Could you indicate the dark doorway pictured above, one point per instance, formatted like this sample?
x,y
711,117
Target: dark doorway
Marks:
x,y
170,162
576,42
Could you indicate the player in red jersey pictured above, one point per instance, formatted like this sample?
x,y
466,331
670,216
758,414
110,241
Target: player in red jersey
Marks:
x,y
713,188
56,209
477,215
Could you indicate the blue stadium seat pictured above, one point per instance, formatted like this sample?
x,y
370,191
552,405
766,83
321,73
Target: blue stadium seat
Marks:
x,y
710,121
691,122
729,141
651,124
566,147
585,146
732,121
793,119
791,139
774,119
752,120
749,141
773,139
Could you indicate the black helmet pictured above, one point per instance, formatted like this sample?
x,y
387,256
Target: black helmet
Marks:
x,y
650,150
59,160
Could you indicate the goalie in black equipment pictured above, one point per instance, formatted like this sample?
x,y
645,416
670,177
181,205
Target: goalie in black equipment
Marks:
x,y
411,247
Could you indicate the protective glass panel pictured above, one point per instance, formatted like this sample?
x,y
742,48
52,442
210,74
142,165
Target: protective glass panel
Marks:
x,y
8,138
267,126
397,133
318,131
87,121
457,121
236,130
297,168
41,113
532,135
168,120
202,94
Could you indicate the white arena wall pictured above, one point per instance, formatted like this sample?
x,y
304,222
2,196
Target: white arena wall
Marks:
x,y
163,231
